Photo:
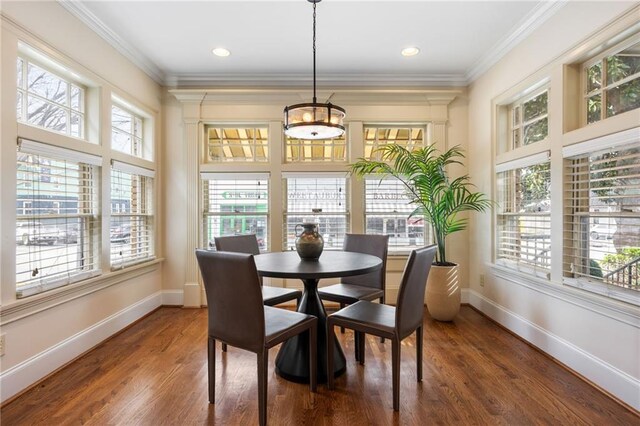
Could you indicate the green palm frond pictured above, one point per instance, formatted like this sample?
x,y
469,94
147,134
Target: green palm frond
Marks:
x,y
423,172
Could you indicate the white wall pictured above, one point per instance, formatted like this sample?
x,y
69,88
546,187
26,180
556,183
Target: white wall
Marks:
x,y
45,331
594,336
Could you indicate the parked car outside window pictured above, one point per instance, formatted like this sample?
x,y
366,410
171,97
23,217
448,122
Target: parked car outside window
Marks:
x,y
36,233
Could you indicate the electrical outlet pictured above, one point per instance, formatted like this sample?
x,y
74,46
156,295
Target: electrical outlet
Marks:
x,y
481,280
2,343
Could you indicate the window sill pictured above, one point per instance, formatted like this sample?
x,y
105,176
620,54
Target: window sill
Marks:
x,y
40,302
624,312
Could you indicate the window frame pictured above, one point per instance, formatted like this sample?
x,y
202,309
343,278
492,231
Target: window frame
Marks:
x,y
426,128
221,127
519,104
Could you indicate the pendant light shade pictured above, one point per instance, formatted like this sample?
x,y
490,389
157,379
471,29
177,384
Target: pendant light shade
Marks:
x,y
314,120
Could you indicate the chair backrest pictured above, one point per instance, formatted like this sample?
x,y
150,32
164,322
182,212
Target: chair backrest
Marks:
x,y
376,245
234,298
410,305
238,243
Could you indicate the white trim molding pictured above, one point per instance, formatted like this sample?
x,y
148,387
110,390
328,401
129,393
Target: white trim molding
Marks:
x,y
21,376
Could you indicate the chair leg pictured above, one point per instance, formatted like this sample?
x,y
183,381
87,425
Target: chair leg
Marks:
x,y
342,328
224,347
263,367
395,367
211,366
356,345
382,303
419,352
313,356
331,335
362,337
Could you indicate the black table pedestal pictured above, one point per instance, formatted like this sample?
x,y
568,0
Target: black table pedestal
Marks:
x,y
292,362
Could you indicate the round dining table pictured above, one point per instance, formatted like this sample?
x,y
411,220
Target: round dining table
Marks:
x,y
292,362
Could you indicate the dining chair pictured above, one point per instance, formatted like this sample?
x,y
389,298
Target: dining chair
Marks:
x,y
360,287
238,318
394,323
248,243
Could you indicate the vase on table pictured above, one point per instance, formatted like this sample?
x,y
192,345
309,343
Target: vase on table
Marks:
x,y
309,242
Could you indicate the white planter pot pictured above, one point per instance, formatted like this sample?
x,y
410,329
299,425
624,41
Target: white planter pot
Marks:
x,y
443,292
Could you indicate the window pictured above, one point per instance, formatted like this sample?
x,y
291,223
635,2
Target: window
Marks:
x,y
329,150
126,132
529,121
58,221
524,207
238,144
376,137
602,218
131,230
387,211
320,198
47,100
612,83
235,204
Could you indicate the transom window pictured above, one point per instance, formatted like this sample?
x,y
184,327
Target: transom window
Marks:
x,y
529,121
612,84
235,204
524,221
376,137
57,217
237,144
320,198
47,100
126,131
602,223
329,150
387,211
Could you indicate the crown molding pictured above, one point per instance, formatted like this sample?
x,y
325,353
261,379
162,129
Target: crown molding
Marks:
x,y
534,19
80,11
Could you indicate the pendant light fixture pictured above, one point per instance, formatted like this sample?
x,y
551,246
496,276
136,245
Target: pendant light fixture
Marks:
x,y
314,120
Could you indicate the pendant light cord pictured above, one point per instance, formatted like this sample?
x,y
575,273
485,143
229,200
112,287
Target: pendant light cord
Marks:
x,y
314,53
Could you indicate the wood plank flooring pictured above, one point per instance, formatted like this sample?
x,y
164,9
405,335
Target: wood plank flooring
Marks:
x,y
154,373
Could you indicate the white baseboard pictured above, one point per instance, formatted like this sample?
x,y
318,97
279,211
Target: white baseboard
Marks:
x,y
617,382
172,297
28,372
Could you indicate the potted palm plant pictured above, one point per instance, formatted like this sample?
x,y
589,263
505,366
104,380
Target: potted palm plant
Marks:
x,y
437,198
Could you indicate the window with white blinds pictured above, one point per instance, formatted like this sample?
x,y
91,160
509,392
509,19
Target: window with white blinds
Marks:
x,y
523,220
321,150
387,211
57,217
602,217
235,204
410,137
320,198
131,231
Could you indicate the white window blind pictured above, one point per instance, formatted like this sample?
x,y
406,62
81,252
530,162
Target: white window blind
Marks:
x,y
131,231
316,197
57,219
410,137
524,227
387,211
602,220
47,100
235,204
238,144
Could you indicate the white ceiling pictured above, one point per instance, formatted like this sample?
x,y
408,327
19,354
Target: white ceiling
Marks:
x,y
358,42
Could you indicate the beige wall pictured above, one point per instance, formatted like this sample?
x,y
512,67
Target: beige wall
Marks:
x,y
597,337
45,331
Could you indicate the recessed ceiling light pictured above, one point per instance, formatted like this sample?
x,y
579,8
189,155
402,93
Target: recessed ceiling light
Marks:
x,y
410,51
221,51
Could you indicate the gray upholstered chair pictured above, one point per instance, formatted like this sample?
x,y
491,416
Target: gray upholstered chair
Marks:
x,y
394,323
271,296
238,317
361,287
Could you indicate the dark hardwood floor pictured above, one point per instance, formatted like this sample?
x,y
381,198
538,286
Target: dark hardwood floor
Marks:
x,y
154,373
